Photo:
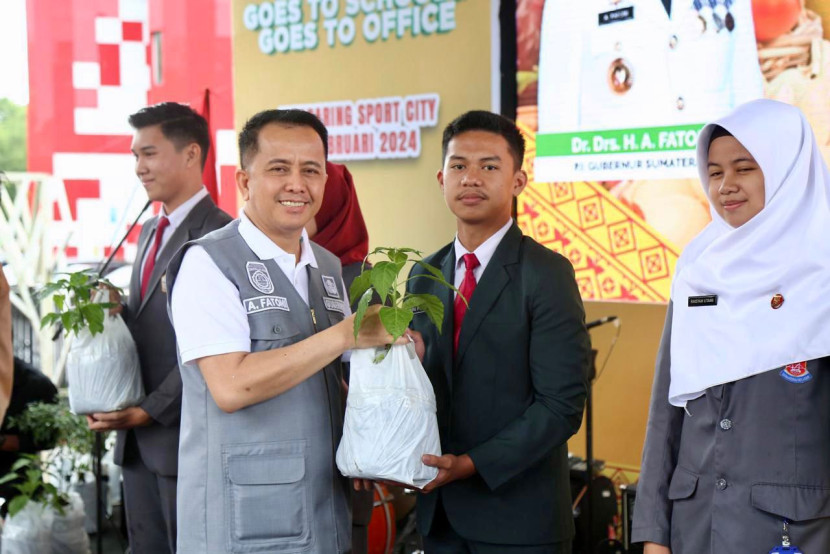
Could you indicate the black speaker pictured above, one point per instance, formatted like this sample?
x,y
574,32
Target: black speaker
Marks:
x,y
604,513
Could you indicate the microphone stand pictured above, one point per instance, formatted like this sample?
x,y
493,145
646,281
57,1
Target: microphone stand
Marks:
x,y
589,452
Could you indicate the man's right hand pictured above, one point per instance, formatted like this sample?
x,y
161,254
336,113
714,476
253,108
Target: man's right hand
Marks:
x,y
372,332
654,548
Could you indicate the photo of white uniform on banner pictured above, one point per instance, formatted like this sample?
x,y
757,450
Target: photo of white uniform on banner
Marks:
x,y
616,65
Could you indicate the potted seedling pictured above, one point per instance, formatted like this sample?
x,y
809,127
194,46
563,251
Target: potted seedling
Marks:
x,y
390,410
101,359
46,515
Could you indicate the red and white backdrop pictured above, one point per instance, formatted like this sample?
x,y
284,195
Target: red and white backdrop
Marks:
x,y
90,67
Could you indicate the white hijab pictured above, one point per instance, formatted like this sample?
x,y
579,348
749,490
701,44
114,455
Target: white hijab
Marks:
x,y
784,249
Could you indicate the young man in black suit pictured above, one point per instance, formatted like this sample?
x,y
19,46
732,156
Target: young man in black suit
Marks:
x,y
509,370
170,146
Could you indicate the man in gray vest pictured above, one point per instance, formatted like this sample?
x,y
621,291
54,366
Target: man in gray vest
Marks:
x,y
262,319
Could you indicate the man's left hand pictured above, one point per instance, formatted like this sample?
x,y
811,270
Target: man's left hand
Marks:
x,y
127,418
450,468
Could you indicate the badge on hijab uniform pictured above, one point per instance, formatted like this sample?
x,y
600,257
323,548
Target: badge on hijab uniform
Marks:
x,y
786,547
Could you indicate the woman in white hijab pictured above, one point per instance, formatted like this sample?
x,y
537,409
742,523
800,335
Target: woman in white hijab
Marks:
x,y
737,453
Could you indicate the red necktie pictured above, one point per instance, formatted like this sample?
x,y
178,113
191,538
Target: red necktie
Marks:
x,y
468,285
150,264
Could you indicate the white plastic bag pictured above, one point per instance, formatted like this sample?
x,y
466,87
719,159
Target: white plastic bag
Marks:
x,y
29,531
103,370
68,530
390,419
39,529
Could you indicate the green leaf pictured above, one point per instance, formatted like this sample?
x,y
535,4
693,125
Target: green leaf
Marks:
x,y
361,284
362,306
398,258
431,305
59,299
437,280
395,320
384,275
18,503
8,477
49,319
50,288
78,279
94,316
432,269
22,462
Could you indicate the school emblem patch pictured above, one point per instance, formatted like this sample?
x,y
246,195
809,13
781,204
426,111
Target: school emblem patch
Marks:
x,y
259,277
331,286
796,373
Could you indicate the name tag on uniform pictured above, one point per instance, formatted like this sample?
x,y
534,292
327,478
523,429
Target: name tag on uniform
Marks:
x,y
333,305
416,310
265,303
614,16
706,300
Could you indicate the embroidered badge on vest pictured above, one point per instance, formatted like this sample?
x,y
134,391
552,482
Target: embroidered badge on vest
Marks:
x,y
796,373
331,286
259,277
335,305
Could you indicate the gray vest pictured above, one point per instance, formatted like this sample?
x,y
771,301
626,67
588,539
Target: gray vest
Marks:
x,y
263,479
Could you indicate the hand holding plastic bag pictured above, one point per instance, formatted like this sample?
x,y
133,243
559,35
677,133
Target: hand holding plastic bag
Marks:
x,y
103,370
390,419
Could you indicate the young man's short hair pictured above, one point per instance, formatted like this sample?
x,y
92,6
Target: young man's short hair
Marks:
x,y
480,120
249,137
179,124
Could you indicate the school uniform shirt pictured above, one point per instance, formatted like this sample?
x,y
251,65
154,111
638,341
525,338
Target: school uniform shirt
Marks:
x,y
723,475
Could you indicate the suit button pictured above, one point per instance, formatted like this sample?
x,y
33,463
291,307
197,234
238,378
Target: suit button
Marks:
x,y
721,484
726,424
673,42
277,329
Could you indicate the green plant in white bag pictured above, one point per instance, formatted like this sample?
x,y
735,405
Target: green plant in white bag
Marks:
x,y
384,280
75,305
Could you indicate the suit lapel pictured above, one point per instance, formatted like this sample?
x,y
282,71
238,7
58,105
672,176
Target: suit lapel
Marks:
x,y
446,295
492,282
182,234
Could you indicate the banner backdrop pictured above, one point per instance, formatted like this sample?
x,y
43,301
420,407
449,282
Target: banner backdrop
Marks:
x,y
612,95
385,76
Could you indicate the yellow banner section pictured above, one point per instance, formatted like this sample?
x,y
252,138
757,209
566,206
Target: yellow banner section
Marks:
x,y
386,77
616,255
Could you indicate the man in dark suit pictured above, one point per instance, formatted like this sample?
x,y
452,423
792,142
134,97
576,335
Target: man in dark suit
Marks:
x,y
170,146
509,370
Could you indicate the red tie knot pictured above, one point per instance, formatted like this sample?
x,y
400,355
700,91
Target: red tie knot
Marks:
x,y
163,223
470,261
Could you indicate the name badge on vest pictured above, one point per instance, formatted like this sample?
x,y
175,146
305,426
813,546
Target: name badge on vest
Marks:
x,y
265,303
330,285
333,305
613,16
259,277
163,283
707,300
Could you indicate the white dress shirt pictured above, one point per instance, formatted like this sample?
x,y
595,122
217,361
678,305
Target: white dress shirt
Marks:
x,y
484,253
175,218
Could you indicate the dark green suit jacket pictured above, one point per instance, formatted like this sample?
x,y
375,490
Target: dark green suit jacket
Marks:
x,y
512,397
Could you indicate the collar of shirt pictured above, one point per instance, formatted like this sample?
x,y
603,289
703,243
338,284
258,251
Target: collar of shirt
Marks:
x,y
484,253
179,214
266,249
